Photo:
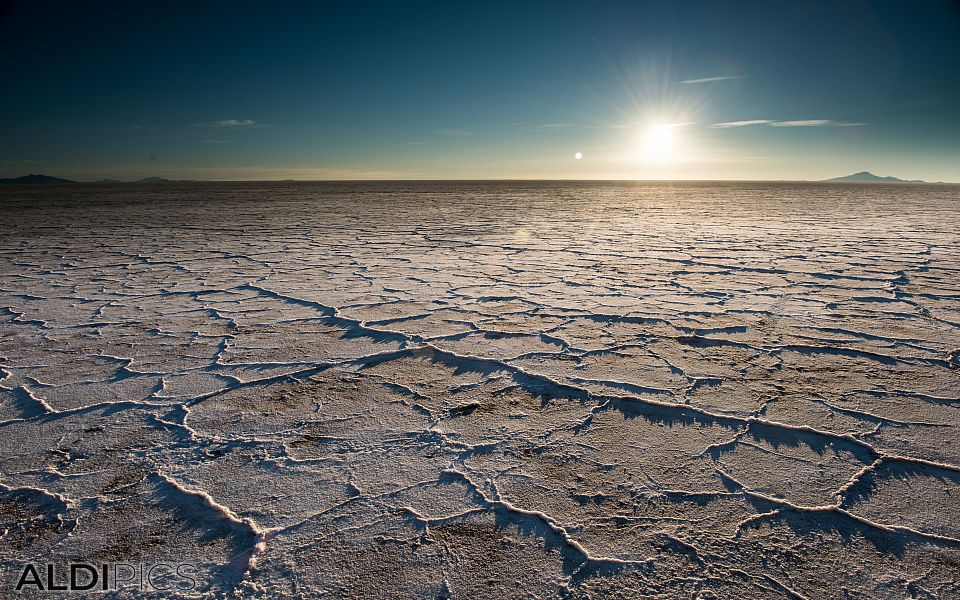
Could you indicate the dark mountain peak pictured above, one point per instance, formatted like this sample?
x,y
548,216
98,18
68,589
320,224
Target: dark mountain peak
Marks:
x,y
36,179
868,177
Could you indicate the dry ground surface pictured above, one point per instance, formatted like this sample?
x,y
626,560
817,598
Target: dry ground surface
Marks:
x,y
495,390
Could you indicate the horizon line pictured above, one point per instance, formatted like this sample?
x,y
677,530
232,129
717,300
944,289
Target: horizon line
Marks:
x,y
477,179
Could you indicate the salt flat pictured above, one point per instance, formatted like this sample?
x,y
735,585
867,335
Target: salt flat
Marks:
x,y
464,390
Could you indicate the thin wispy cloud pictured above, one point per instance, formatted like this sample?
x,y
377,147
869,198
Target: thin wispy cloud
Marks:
x,y
551,127
711,79
20,162
728,124
229,123
214,141
556,126
815,123
802,123
794,123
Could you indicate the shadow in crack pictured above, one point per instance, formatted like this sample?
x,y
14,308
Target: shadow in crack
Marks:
x,y
29,515
202,517
912,474
817,525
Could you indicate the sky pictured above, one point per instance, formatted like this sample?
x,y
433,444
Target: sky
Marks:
x,y
480,90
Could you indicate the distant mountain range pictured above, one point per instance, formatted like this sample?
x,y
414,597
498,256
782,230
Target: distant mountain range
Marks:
x,y
47,179
867,177
36,179
145,180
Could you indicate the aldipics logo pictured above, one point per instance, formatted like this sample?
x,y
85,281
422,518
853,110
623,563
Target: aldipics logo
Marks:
x,y
85,577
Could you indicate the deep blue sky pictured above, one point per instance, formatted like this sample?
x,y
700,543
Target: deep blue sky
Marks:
x,y
481,90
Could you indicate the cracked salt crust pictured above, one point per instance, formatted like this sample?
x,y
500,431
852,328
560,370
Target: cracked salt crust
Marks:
x,y
383,390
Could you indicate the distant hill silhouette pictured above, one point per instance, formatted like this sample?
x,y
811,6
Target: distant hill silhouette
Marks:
x,y
35,179
868,177
162,180
146,180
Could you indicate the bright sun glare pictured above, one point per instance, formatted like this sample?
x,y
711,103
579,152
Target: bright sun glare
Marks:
x,y
660,143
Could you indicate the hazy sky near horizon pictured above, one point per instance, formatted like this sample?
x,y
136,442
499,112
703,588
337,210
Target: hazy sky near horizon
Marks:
x,y
689,90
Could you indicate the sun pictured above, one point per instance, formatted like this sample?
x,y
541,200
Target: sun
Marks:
x,y
660,143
